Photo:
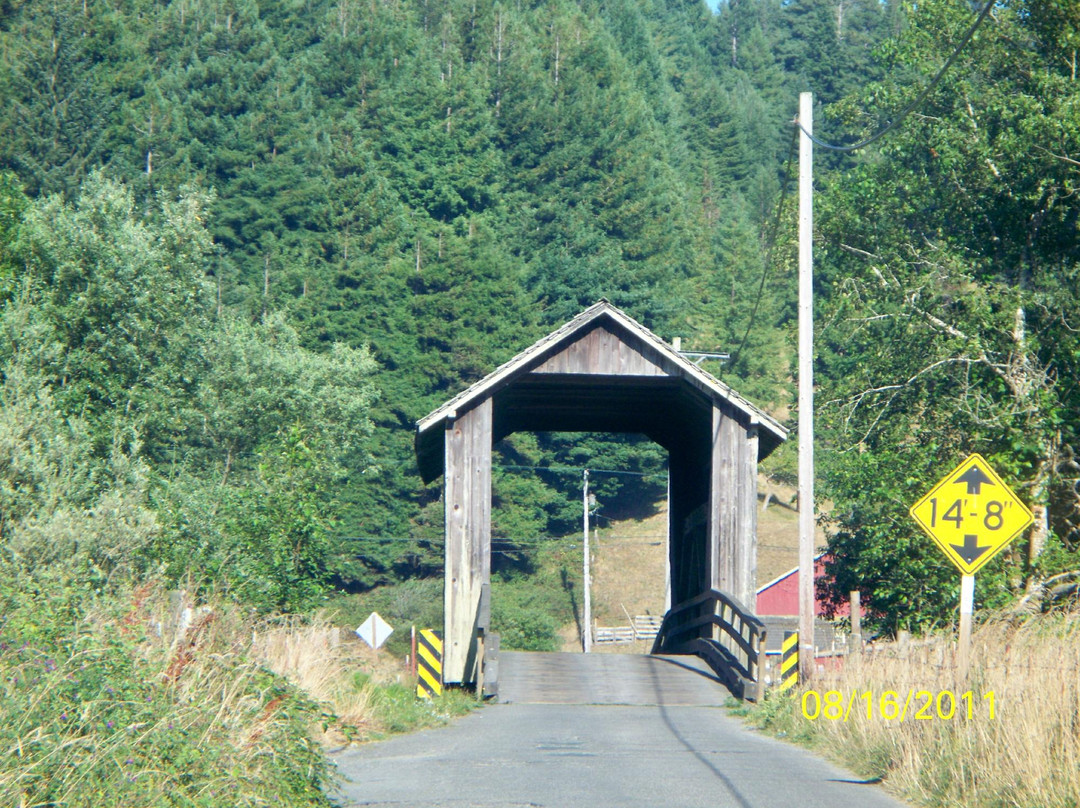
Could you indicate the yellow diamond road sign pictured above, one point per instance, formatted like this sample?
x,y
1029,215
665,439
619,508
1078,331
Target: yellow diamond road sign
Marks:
x,y
971,514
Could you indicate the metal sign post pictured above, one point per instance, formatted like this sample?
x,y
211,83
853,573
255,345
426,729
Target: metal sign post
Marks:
x,y
967,606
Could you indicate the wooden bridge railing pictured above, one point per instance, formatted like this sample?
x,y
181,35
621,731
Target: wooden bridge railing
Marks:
x,y
725,634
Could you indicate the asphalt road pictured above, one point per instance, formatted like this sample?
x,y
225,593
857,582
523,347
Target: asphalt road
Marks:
x,y
561,752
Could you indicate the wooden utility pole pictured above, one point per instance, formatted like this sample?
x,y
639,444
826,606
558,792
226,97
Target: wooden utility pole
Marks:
x,y
586,630
806,387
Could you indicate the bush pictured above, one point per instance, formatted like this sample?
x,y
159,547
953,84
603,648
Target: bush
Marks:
x,y
524,616
418,602
113,710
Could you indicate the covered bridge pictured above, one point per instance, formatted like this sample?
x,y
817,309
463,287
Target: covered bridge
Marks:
x,y
601,372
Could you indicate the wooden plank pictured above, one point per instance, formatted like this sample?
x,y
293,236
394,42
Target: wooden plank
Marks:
x,y
722,482
654,350
746,563
613,634
733,506
468,538
717,483
601,352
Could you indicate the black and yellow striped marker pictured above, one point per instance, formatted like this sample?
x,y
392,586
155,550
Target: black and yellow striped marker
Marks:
x,y
428,663
789,661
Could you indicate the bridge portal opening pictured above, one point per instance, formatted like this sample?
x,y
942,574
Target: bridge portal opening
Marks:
x,y
537,543
600,372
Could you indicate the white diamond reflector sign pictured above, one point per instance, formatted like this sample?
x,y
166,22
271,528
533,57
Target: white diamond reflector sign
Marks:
x,y
374,631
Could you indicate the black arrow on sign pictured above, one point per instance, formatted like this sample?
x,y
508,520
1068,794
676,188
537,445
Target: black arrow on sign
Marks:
x,y
970,549
975,478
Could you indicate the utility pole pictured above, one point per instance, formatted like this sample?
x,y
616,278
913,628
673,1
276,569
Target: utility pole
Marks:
x,y
667,547
586,631
806,387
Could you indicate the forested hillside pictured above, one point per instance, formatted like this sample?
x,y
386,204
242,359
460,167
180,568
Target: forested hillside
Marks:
x,y
246,246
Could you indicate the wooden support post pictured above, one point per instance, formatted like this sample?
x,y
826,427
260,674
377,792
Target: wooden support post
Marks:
x,y
903,641
468,539
480,667
667,546
746,591
759,669
732,529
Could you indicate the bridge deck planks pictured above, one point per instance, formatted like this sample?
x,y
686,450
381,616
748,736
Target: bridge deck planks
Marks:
x,y
631,679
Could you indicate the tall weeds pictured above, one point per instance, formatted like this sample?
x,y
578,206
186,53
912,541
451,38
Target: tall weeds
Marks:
x,y
1027,754
124,710
312,655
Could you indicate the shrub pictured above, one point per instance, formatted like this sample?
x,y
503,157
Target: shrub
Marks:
x,y
118,710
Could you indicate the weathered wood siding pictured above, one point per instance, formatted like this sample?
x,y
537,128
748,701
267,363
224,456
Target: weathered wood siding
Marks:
x,y
468,537
601,372
732,541
746,590
601,352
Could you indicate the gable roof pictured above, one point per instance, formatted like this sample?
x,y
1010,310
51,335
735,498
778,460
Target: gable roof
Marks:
x,y
793,571
602,343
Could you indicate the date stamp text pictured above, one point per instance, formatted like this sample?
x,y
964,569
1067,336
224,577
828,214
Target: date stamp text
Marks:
x,y
891,705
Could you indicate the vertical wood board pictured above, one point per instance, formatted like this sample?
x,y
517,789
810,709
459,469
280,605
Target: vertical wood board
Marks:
x,y
468,537
723,480
746,563
603,353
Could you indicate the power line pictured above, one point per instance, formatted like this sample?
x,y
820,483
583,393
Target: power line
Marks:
x,y
769,243
579,469
834,147
914,104
530,540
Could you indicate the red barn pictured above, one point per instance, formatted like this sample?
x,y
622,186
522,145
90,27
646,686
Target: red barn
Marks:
x,y
781,595
778,608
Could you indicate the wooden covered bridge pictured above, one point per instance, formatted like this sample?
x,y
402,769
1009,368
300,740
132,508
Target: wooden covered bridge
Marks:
x,y
605,372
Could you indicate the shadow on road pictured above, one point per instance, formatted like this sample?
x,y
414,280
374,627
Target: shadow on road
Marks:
x,y
674,730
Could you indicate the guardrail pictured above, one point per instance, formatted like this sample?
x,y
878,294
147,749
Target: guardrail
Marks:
x,y
603,635
725,634
642,627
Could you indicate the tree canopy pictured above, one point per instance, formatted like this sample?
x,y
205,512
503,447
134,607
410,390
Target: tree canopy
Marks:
x,y
244,247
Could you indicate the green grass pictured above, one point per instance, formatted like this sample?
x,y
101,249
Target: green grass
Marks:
x,y
397,709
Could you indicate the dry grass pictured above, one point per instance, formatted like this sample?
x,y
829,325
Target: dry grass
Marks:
x,y
313,656
132,711
628,569
1027,755
628,564
365,694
